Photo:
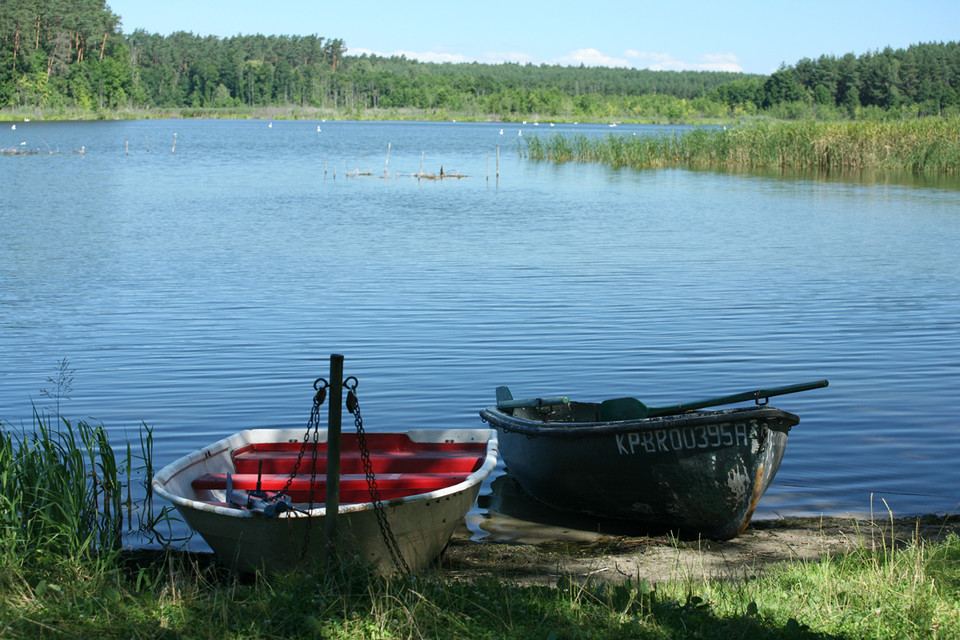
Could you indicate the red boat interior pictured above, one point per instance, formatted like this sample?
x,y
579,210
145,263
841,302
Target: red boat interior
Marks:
x,y
401,467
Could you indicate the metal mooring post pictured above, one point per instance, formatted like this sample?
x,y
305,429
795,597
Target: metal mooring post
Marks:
x,y
333,455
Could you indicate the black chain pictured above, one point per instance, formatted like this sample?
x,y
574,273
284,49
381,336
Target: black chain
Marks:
x,y
353,406
312,424
315,421
312,434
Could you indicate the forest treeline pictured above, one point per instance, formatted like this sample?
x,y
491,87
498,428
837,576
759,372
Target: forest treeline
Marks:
x,y
73,55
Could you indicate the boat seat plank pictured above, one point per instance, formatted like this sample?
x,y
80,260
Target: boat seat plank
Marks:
x,y
283,461
353,487
376,443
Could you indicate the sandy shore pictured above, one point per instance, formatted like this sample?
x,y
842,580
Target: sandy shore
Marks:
x,y
664,558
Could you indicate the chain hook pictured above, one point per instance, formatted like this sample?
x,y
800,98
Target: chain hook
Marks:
x,y
352,402
321,390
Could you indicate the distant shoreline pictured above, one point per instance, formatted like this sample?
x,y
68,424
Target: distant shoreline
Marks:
x,y
311,114
929,145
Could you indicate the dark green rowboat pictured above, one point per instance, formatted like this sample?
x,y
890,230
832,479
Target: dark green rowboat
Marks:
x,y
696,473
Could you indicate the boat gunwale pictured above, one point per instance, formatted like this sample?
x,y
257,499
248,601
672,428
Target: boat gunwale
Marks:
x,y
783,421
225,445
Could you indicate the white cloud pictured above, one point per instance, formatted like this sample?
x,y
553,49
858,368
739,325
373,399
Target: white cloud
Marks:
x,y
656,61
360,51
587,57
496,57
432,56
591,58
438,55
666,62
429,56
720,62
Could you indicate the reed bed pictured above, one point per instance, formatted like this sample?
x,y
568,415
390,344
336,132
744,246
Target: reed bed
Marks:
x,y
930,145
67,495
59,491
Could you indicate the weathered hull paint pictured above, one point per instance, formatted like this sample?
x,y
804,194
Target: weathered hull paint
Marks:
x,y
700,473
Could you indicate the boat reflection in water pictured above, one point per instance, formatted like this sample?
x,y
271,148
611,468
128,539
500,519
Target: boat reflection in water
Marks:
x,y
510,514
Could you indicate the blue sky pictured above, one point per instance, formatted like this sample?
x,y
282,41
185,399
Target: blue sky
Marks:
x,y
754,37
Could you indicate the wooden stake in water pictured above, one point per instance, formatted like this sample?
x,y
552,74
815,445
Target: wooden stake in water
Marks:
x,y
128,146
148,144
174,150
333,454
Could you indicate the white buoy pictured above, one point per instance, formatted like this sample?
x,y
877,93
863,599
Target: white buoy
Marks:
x,y
13,127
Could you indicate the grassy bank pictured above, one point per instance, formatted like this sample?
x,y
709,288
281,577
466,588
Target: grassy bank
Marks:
x,y
900,591
927,145
65,505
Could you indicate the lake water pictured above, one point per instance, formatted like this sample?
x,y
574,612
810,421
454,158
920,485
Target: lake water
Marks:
x,y
202,291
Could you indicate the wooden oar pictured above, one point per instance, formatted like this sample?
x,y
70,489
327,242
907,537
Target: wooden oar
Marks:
x,y
633,409
505,400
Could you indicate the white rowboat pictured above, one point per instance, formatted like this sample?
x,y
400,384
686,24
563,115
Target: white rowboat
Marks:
x,y
427,479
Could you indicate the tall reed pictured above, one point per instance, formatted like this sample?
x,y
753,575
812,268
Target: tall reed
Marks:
x,y
928,145
59,491
65,493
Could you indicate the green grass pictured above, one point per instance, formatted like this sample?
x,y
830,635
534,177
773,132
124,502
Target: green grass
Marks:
x,y
905,591
924,145
65,505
